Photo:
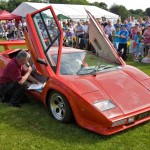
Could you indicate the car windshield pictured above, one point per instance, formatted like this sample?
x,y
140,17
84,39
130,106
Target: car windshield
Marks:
x,y
83,63
76,62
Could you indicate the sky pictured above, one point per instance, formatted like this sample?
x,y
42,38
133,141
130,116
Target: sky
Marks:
x,y
129,4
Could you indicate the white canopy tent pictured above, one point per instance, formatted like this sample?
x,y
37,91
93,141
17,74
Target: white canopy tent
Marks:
x,y
71,11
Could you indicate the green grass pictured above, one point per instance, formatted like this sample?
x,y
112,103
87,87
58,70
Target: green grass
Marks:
x,y
142,66
32,128
11,47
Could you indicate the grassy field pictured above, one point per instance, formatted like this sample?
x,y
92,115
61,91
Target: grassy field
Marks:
x,y
32,128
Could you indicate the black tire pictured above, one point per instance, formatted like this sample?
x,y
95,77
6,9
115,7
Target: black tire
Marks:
x,y
59,107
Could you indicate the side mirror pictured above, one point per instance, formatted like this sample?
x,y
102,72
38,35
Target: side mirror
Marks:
x,y
41,61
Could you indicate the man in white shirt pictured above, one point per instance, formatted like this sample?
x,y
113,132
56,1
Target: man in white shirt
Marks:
x,y
109,29
79,30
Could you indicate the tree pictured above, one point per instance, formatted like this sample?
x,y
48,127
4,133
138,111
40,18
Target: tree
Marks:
x,y
100,5
38,1
147,11
132,11
138,13
103,6
3,5
58,1
119,10
12,4
81,2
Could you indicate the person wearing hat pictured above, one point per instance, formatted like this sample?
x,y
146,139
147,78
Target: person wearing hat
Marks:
x,y
123,42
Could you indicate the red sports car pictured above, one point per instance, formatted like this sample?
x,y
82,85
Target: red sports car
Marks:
x,y
100,91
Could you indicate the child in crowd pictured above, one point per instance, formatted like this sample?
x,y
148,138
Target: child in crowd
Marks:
x,y
68,39
133,32
68,34
117,37
138,46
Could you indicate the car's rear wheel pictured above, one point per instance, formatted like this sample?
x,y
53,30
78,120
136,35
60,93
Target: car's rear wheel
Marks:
x,y
59,107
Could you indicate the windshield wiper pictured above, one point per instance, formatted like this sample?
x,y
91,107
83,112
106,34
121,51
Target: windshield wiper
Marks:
x,y
96,68
83,70
100,67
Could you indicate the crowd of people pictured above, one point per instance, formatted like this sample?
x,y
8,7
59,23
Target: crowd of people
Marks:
x,y
76,34
12,30
131,35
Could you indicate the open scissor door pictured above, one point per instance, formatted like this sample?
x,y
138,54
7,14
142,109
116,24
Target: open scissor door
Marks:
x,y
44,37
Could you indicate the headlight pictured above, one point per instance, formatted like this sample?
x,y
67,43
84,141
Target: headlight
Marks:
x,y
119,122
104,105
131,120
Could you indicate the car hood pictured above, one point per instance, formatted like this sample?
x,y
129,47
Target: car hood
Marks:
x,y
127,93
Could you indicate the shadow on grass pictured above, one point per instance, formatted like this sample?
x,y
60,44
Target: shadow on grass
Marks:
x,y
33,118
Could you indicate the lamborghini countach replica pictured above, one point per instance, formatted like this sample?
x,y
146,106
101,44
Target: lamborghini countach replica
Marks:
x,y
100,91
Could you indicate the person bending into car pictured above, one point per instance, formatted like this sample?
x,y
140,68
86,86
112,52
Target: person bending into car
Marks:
x,y
13,79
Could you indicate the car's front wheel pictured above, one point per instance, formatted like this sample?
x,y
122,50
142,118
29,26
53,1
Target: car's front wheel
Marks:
x,y
59,107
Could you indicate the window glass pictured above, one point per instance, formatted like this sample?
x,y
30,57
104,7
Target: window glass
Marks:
x,y
48,31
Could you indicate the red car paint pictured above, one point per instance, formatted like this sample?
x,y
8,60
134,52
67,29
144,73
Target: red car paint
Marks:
x,y
126,87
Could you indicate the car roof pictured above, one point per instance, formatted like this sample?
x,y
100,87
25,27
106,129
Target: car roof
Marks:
x,y
54,50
